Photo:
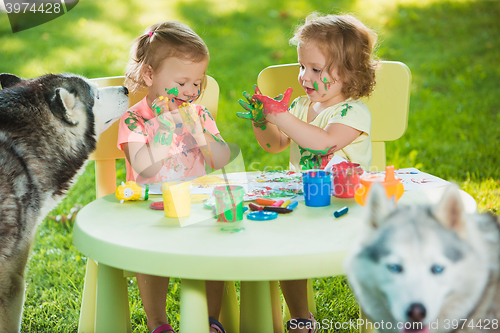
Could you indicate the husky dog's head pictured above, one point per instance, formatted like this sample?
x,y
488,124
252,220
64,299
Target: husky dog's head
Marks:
x,y
73,99
416,266
56,119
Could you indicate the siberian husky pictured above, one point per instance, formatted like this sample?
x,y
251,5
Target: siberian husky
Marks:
x,y
427,268
48,128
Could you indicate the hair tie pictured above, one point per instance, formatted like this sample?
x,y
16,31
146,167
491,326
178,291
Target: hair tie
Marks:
x,y
150,34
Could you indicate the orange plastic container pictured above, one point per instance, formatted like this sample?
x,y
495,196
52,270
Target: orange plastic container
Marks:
x,y
393,186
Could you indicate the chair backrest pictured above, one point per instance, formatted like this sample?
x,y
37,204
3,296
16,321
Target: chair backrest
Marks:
x,y
388,104
107,152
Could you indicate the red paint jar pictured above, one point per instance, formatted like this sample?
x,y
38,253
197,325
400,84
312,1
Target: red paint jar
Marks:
x,y
346,177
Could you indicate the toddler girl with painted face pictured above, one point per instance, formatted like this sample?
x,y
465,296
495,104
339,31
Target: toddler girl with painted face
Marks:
x,y
336,70
165,137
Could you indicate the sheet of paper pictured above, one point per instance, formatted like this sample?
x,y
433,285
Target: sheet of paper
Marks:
x,y
414,179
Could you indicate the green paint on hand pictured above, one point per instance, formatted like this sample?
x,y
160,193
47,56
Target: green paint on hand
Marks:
x,y
255,111
316,152
268,145
311,158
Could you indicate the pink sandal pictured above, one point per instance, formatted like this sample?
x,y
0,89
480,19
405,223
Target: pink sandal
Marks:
x,y
163,329
216,325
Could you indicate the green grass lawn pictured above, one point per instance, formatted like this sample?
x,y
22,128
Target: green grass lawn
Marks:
x,y
451,47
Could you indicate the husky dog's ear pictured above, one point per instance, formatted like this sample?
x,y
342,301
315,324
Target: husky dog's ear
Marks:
x,y
378,205
450,211
8,80
63,104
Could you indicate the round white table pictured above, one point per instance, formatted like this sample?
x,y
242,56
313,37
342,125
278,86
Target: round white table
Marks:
x,y
309,242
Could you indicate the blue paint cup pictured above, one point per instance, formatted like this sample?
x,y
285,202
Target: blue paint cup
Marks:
x,y
317,188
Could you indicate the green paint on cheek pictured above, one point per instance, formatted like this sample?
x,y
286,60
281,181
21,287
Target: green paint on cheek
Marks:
x,y
315,85
174,91
326,83
268,145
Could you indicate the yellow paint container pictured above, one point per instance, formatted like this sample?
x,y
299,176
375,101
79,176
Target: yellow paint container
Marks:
x,y
176,199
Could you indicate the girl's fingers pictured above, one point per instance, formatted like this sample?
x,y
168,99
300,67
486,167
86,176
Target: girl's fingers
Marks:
x,y
160,105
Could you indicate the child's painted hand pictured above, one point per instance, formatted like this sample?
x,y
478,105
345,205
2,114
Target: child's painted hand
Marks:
x,y
276,105
160,105
254,108
191,121
166,121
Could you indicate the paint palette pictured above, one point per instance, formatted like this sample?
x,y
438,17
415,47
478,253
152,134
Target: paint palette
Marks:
x,y
262,216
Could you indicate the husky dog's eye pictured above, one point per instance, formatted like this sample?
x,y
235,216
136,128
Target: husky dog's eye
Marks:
x,y
395,268
437,269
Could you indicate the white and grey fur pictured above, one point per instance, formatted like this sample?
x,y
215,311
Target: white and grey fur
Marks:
x,y
422,264
48,128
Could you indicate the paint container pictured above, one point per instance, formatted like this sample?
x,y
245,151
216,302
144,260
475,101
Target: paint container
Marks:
x,y
317,188
229,206
346,176
176,199
394,188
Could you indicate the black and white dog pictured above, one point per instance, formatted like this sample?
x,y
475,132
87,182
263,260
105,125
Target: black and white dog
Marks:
x,y
427,269
48,128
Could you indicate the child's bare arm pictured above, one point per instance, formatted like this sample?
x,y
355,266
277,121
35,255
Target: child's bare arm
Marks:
x,y
332,138
214,149
145,159
216,152
271,139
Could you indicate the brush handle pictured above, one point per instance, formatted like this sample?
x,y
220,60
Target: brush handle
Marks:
x,y
264,202
254,207
279,210
278,203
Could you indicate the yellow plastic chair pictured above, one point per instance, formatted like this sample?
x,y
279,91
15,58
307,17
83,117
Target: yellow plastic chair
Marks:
x,y
388,105
105,157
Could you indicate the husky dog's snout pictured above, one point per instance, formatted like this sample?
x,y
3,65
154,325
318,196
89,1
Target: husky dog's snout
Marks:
x,y
125,90
416,312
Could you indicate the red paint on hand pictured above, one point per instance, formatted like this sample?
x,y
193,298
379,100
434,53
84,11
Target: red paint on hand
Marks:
x,y
274,106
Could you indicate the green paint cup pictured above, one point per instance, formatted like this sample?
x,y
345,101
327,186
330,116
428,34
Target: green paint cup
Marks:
x,y
229,204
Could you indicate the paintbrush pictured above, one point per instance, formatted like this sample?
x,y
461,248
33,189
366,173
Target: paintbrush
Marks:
x,y
280,210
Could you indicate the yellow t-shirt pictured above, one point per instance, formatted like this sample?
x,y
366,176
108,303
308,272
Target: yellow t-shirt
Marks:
x,y
353,113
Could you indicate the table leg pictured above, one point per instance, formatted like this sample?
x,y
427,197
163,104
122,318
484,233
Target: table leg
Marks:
x,y
230,310
112,313
86,323
194,310
256,311
276,306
